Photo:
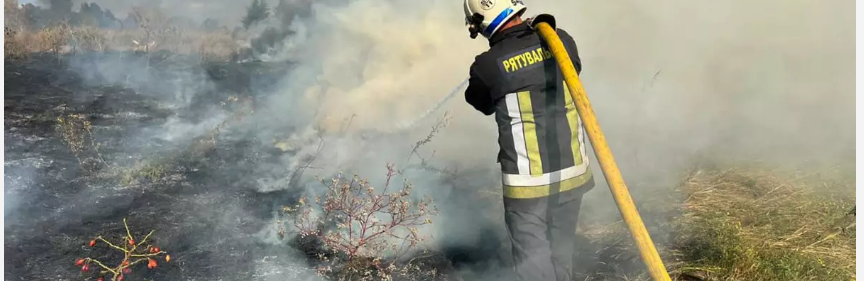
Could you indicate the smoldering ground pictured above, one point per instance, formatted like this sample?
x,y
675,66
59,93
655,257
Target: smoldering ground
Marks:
x,y
670,81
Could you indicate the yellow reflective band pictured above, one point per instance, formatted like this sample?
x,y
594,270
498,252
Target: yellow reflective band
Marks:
x,y
529,192
529,129
573,121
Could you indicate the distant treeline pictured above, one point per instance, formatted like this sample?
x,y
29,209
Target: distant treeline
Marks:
x,y
91,14
263,27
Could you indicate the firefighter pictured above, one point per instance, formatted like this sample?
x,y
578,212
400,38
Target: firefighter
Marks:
x,y
542,153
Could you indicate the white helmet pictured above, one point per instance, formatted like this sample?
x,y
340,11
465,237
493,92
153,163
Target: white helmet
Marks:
x,y
487,16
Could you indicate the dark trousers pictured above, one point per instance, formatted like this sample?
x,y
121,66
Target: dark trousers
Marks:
x,y
542,234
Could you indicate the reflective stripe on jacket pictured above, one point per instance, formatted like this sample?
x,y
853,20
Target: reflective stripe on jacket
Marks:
x,y
540,135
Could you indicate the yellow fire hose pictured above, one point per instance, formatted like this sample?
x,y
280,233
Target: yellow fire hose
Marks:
x,y
544,23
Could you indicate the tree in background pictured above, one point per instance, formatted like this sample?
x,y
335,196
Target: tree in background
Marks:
x,y
15,18
286,11
182,22
256,12
61,6
60,10
283,12
210,25
90,15
93,15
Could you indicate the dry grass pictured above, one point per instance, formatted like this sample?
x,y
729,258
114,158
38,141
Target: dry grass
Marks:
x,y
739,224
16,44
88,38
217,46
13,17
53,38
60,39
154,32
758,225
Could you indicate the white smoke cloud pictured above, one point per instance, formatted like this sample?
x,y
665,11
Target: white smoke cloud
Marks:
x,y
668,79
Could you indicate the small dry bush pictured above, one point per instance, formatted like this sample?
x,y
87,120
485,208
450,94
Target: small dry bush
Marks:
x,y
76,132
362,231
88,38
217,46
180,41
133,251
53,38
151,171
16,44
150,22
157,32
121,39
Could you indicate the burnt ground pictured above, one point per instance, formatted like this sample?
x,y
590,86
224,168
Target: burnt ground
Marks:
x,y
200,216
203,204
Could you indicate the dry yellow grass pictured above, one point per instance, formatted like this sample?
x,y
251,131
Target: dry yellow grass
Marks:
x,y
16,44
154,33
13,17
52,38
217,46
214,46
764,226
88,38
743,224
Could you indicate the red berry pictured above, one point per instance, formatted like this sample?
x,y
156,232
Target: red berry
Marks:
x,y
131,241
120,278
92,242
99,279
79,262
151,263
85,268
127,270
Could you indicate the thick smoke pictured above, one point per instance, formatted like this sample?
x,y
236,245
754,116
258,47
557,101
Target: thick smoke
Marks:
x,y
732,80
362,68
670,81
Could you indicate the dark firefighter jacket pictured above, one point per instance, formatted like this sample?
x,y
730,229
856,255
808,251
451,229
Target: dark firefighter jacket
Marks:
x,y
540,135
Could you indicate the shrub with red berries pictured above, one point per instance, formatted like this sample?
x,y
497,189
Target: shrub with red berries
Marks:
x,y
133,253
